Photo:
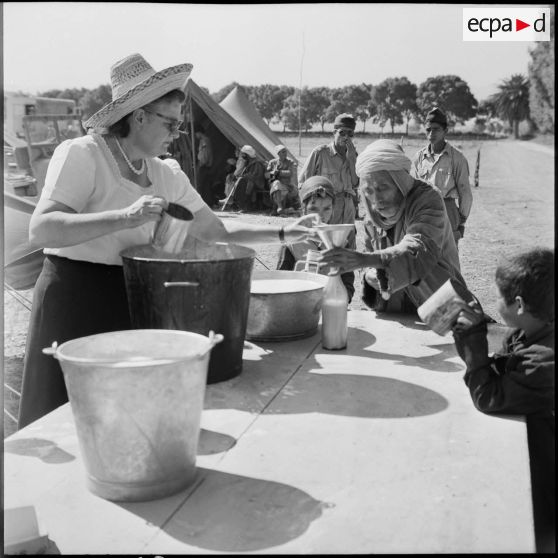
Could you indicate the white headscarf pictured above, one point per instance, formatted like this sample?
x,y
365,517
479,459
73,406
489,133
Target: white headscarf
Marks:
x,y
249,150
382,155
386,155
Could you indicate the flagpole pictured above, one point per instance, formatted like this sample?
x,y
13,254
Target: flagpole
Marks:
x,y
300,101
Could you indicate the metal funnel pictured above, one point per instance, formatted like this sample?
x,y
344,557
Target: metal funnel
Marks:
x,y
334,235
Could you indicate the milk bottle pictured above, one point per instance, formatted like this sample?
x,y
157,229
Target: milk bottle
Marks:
x,y
334,314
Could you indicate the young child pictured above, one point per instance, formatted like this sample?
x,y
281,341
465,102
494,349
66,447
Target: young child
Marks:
x,y
316,196
520,378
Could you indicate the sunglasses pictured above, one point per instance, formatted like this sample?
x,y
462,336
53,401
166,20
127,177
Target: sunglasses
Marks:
x,y
171,123
345,133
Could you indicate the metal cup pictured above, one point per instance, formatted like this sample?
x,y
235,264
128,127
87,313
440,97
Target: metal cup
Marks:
x,y
172,229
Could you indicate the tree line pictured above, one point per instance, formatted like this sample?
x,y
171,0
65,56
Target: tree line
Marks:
x,y
396,100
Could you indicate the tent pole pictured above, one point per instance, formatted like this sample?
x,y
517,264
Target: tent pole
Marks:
x,y
193,144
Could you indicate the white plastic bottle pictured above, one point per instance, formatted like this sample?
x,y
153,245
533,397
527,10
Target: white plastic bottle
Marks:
x,y
334,314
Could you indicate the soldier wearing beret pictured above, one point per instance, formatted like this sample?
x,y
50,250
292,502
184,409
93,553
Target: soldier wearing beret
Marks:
x,y
444,166
336,161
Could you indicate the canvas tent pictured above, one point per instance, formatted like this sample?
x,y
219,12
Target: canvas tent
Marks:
x,y
237,104
224,132
227,129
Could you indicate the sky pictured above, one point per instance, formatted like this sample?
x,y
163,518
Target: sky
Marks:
x,y
59,45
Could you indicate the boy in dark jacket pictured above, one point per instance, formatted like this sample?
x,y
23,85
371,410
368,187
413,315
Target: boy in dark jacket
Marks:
x,y
520,378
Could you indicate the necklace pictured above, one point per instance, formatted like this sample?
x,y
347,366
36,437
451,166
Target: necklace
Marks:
x,y
128,162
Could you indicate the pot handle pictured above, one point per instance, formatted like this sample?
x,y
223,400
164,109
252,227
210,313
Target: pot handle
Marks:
x,y
180,284
52,350
214,338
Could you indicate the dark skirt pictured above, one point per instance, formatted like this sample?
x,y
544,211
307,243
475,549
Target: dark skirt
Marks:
x,y
71,299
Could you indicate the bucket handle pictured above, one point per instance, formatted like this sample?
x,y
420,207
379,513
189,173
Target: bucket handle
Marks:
x,y
181,284
214,338
52,350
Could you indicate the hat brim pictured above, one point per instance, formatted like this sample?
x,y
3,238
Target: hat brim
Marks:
x,y
145,92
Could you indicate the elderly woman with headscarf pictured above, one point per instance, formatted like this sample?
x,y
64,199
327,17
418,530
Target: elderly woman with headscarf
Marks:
x,y
103,193
412,249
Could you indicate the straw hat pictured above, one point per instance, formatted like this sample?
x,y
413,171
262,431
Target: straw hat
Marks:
x,y
135,84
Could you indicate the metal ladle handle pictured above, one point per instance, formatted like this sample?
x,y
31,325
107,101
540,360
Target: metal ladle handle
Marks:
x,y
167,284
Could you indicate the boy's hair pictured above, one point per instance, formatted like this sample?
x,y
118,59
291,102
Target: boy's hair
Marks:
x,y
529,275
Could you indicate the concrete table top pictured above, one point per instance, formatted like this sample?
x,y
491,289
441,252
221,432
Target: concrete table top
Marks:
x,y
376,448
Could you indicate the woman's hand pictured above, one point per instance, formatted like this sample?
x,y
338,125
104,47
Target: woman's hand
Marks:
x,y
343,259
301,229
144,210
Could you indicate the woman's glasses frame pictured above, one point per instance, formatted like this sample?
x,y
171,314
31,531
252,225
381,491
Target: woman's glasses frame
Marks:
x,y
172,124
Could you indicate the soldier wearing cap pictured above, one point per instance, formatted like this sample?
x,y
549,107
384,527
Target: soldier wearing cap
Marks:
x,y
444,166
281,173
336,161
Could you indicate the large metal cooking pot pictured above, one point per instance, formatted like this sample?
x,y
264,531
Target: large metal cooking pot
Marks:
x,y
203,288
284,305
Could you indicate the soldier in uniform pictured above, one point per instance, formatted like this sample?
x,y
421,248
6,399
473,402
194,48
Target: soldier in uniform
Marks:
x,y
281,173
336,161
445,167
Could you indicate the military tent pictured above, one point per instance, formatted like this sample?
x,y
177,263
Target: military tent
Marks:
x,y
228,127
239,106
224,132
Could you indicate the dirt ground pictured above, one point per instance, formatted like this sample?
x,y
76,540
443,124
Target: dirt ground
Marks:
x,y
513,210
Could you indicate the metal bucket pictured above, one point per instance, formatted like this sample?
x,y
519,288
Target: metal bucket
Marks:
x,y
289,309
137,398
201,289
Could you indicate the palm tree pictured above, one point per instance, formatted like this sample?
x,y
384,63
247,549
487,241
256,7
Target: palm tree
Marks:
x,y
512,101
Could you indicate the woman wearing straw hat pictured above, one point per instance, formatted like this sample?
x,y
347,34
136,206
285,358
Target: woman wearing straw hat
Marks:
x,y
103,193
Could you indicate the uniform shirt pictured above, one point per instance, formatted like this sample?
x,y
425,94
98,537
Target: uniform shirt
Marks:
x,y
84,175
326,161
448,171
285,171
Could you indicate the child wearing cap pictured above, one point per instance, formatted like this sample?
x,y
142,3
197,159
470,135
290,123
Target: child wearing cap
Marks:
x,y
317,196
520,378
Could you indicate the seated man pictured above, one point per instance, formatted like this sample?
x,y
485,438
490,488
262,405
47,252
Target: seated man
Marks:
x,y
519,379
250,183
230,178
281,173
